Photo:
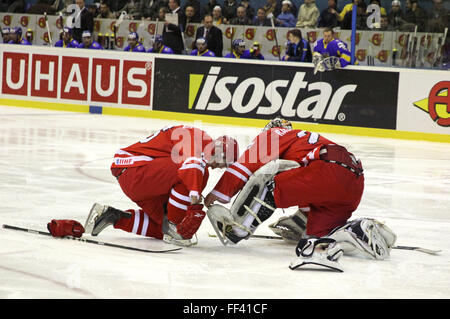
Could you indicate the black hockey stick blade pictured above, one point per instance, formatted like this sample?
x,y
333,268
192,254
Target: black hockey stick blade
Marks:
x,y
421,249
90,241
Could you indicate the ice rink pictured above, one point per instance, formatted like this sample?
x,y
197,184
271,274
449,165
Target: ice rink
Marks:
x,y
55,165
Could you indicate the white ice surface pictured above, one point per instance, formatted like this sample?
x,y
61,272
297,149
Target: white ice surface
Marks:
x,y
55,165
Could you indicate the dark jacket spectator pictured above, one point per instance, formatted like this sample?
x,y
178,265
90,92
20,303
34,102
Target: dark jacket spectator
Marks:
x,y
273,8
40,7
396,16
248,8
229,9
209,7
150,8
197,7
83,22
415,15
439,17
241,17
105,12
212,34
172,33
261,19
328,17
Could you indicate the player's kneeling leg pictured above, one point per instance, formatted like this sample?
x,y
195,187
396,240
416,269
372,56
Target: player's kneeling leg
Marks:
x,y
322,251
365,236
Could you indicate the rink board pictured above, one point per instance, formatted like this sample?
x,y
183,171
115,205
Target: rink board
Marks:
x,y
371,101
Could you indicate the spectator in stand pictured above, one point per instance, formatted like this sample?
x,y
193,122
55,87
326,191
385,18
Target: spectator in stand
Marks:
x,y
415,15
162,14
82,21
329,16
250,12
255,51
172,37
286,18
133,43
159,47
105,12
238,50
308,15
439,17
132,8
150,8
190,15
261,18
209,7
88,41
93,10
378,3
40,7
361,18
384,24
229,10
197,8
202,48
67,40
217,16
15,36
273,8
349,7
396,16
297,49
17,6
241,17
212,34
5,35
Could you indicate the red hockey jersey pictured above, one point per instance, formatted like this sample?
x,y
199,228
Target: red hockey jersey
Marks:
x,y
185,145
276,143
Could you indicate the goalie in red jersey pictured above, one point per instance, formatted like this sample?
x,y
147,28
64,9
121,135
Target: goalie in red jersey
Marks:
x,y
164,174
283,168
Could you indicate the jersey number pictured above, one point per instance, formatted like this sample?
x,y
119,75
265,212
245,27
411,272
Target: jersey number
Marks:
x,y
313,137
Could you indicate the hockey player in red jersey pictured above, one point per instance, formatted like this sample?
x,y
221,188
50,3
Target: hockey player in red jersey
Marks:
x,y
322,178
164,174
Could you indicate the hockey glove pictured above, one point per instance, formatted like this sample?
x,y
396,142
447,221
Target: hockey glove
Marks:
x,y
192,221
65,227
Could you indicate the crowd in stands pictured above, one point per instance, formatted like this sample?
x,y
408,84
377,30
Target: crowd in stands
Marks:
x,y
405,15
401,15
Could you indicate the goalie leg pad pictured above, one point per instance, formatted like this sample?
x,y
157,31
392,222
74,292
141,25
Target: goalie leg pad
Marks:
x,y
365,236
290,228
324,252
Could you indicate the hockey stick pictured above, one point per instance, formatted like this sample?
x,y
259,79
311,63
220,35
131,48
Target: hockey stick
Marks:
x,y
423,250
90,241
276,39
48,29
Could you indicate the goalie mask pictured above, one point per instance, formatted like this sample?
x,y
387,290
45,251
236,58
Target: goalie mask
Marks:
x,y
278,122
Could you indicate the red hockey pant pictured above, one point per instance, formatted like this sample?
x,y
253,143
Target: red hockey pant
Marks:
x,y
329,191
152,187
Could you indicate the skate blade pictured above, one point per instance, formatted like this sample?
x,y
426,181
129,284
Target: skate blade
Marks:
x,y
179,242
321,264
90,221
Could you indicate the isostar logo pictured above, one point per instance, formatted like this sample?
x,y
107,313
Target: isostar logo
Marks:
x,y
275,51
357,38
97,25
437,105
41,23
119,42
248,94
425,41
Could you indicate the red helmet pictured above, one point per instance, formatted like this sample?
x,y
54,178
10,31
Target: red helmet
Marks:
x,y
226,148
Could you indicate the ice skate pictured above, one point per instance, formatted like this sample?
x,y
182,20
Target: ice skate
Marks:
x,y
101,216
